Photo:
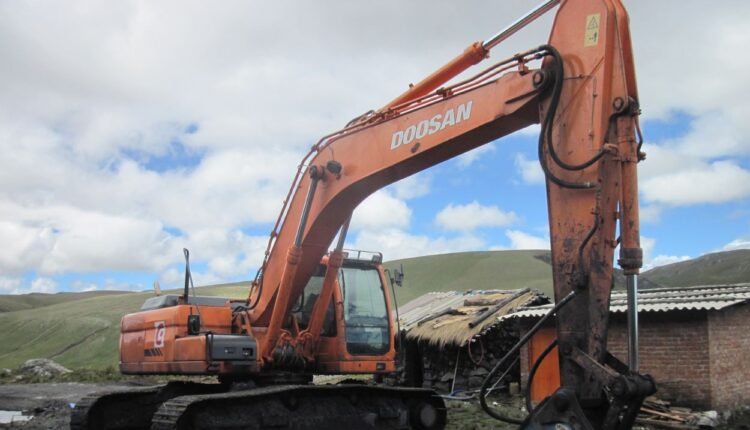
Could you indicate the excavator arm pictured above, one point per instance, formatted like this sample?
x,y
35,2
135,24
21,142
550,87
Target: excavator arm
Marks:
x,y
580,87
584,96
372,155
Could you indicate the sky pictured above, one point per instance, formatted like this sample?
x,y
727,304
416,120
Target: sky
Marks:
x,y
132,129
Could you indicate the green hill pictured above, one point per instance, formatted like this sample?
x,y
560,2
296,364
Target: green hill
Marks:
x,y
474,271
10,303
79,333
729,267
82,329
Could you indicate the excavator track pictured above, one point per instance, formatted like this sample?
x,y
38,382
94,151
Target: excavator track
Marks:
x,y
131,409
305,407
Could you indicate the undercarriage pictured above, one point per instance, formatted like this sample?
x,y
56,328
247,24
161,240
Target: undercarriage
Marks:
x,y
193,406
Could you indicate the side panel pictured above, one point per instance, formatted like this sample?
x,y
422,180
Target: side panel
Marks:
x,y
547,378
157,341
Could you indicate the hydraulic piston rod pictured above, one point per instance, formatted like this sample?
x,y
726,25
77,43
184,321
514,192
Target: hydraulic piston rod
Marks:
x,y
472,55
519,24
632,281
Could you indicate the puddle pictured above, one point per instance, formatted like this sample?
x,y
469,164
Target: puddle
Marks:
x,y
7,417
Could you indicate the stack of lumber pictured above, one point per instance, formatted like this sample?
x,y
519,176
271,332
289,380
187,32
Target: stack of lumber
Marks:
x,y
662,415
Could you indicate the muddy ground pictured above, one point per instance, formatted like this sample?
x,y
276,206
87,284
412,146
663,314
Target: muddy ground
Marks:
x,y
50,405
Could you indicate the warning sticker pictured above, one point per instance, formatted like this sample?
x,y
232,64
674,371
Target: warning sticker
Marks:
x,y
591,38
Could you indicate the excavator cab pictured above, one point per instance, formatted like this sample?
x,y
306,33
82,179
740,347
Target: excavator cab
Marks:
x,y
362,302
366,312
356,334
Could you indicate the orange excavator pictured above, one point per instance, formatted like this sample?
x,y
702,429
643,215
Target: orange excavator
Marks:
x,y
314,311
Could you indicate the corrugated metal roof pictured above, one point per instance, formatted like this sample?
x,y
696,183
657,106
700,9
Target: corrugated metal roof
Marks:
x,y
444,317
705,297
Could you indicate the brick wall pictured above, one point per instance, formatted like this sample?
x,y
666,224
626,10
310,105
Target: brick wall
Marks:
x,y
673,349
698,358
729,340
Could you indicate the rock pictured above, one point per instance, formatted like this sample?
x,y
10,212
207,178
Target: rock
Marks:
x,y
486,365
442,387
709,419
5,372
43,367
460,382
475,381
446,377
480,371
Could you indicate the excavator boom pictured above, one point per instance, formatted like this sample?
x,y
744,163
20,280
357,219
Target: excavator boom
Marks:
x,y
303,315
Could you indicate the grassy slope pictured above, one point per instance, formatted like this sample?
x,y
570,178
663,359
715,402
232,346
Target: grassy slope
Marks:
x,y
82,329
10,303
473,270
718,268
77,333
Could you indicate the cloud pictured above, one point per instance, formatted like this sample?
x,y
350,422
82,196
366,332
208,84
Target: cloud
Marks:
x,y
9,285
414,186
83,286
43,285
530,170
714,36
648,244
397,244
468,158
740,243
16,285
90,179
30,244
381,210
230,253
521,240
715,182
472,216
663,260
650,213
712,135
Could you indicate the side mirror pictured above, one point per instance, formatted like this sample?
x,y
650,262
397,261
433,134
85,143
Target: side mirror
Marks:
x,y
194,324
398,276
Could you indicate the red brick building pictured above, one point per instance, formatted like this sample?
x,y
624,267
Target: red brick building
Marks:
x,y
694,341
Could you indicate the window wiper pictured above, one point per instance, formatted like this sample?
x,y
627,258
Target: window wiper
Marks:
x,y
342,280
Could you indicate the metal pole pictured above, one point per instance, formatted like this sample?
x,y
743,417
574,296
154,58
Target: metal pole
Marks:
x,y
314,178
632,283
519,24
342,234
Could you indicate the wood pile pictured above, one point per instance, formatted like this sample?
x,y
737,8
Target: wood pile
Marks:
x,y
660,414
464,368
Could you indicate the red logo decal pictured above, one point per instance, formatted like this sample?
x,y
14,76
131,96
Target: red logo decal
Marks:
x,y
161,331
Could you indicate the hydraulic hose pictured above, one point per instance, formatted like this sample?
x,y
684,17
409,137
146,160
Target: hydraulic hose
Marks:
x,y
513,351
546,132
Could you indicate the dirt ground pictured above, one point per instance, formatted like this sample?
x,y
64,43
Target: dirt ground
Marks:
x,y
49,404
